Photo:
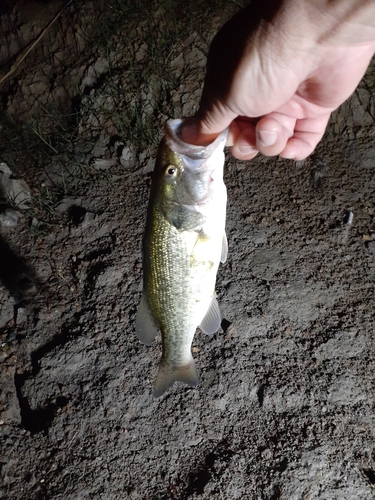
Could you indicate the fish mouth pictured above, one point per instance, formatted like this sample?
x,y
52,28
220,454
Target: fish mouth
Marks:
x,y
191,154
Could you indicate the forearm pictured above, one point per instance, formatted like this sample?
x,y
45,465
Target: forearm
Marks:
x,y
327,22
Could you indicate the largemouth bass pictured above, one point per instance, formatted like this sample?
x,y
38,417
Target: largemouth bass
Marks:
x,y
183,244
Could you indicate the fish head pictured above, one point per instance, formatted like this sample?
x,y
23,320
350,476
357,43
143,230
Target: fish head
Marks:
x,y
188,174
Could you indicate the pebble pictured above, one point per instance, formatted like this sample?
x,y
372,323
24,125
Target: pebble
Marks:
x,y
21,315
9,218
88,217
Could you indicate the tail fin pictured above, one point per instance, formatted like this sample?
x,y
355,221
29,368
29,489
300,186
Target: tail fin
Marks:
x,y
169,374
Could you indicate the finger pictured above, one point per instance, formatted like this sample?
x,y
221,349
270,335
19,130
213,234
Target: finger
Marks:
x,y
306,137
242,139
273,132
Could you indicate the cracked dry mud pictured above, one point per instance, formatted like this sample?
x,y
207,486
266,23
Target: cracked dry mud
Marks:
x,y
285,407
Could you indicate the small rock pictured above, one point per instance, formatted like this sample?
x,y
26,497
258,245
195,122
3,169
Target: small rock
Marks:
x,y
15,191
4,169
9,218
21,315
127,156
18,193
349,218
68,202
102,163
88,217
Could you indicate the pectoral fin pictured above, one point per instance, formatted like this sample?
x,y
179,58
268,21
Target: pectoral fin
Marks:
x,y
224,249
211,322
145,327
168,375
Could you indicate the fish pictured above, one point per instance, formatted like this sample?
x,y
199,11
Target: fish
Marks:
x,y
183,244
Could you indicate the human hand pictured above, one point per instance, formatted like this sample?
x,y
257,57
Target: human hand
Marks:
x,y
275,76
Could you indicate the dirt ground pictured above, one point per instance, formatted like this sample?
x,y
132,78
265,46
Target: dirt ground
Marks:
x,y
285,407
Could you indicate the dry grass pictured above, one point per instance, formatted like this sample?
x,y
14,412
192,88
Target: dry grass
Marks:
x,y
134,65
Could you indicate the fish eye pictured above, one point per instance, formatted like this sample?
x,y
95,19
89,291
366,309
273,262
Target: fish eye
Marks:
x,y
171,171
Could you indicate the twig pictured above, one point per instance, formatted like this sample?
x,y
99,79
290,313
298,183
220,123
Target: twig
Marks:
x,y
13,68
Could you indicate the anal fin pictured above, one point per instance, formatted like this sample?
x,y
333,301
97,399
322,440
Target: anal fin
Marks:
x,y
211,322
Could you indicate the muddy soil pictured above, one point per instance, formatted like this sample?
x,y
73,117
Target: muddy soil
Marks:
x,y
285,407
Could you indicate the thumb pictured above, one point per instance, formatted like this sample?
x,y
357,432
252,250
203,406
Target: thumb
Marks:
x,y
206,124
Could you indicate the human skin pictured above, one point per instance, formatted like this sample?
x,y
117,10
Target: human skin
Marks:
x,y
277,70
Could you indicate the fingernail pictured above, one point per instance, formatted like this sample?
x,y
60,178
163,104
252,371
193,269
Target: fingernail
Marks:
x,y
246,150
243,145
267,138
